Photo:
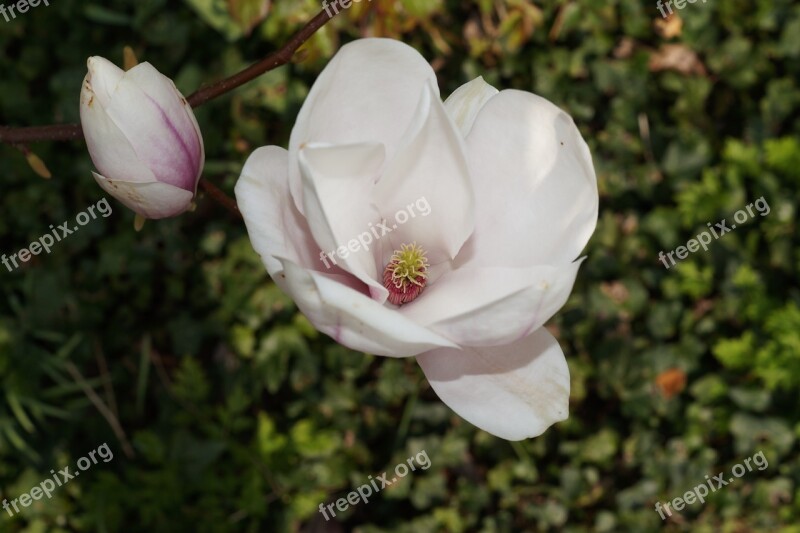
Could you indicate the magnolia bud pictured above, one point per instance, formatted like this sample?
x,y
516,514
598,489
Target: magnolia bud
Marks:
x,y
142,137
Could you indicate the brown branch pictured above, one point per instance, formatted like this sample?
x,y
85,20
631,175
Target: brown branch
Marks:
x,y
271,62
56,132
223,199
68,132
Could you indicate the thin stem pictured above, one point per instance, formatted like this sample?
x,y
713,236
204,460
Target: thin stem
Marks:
x,y
271,62
68,132
108,382
102,407
56,132
223,199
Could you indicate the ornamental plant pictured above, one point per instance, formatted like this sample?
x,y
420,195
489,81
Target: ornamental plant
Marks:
x,y
513,201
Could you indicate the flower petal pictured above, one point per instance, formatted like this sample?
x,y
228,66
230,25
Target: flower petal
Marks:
x,y
103,78
493,306
337,187
339,309
368,92
162,89
152,200
466,102
111,151
430,166
160,126
335,302
514,392
534,181
275,227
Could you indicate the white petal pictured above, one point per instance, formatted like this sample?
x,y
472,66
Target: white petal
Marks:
x,y
336,303
103,77
429,167
493,306
368,92
466,102
337,307
514,392
534,183
337,189
111,152
152,200
275,227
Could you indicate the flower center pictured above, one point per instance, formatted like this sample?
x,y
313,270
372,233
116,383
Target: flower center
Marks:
x,y
406,274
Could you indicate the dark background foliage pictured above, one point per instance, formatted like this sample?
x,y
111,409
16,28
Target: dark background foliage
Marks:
x,y
240,417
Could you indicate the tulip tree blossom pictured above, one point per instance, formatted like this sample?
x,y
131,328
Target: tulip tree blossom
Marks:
x,y
143,138
467,289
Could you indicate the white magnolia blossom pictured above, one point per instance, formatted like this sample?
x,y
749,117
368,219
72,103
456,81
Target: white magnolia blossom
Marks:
x,y
513,200
142,136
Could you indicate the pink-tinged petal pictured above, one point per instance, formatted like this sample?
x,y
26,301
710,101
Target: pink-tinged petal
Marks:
x,y
534,182
338,307
514,392
337,186
109,148
162,89
493,306
162,131
275,227
367,93
152,200
466,102
430,168
103,78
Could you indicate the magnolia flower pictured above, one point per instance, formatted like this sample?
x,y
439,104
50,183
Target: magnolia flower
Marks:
x,y
142,137
513,200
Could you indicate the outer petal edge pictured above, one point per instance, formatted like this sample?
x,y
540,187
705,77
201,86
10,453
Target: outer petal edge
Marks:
x,y
515,391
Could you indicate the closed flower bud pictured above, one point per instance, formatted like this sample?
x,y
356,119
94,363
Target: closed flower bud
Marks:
x,y
142,137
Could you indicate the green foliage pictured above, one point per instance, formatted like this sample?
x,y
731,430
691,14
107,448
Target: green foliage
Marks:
x,y
242,417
